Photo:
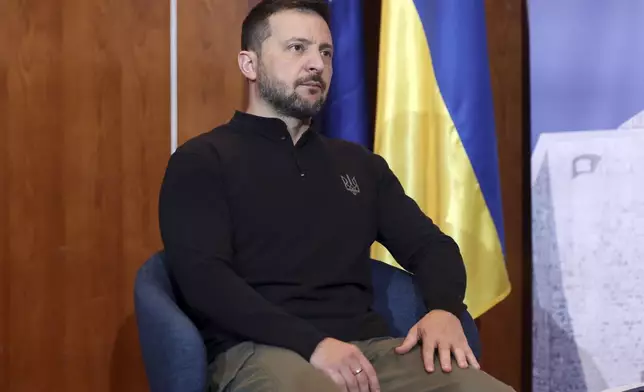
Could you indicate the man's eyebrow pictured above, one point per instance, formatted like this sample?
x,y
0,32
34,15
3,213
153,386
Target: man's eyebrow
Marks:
x,y
326,45
306,41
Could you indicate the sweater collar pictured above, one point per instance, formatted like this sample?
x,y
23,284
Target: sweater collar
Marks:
x,y
269,127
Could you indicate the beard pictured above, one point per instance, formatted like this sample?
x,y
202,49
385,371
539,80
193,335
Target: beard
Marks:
x,y
289,104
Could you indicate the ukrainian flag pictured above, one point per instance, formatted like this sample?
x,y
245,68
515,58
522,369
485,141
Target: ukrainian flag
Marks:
x,y
345,113
435,128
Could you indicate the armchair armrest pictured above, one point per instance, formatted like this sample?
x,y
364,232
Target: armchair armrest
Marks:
x,y
399,301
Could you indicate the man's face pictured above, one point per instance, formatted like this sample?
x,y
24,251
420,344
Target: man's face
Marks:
x,y
294,70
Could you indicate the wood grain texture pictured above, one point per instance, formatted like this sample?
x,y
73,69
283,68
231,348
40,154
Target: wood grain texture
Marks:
x,y
6,33
504,333
32,124
210,84
85,94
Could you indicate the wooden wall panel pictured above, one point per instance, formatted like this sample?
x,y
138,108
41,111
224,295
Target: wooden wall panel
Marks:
x,y
32,122
372,13
84,91
504,331
210,84
6,33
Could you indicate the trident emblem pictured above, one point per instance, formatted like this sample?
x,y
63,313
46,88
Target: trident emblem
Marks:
x,y
351,184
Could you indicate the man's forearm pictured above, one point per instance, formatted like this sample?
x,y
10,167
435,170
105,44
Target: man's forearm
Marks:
x,y
419,245
214,290
441,276
196,231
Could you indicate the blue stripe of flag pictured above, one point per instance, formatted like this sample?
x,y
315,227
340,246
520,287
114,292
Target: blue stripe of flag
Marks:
x,y
457,38
345,114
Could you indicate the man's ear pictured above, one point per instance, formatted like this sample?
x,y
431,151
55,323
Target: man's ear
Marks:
x,y
247,61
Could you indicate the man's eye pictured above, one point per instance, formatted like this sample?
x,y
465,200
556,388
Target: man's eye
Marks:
x,y
327,53
297,47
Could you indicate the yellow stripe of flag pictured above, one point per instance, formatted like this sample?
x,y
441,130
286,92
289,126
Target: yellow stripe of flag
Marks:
x,y
417,136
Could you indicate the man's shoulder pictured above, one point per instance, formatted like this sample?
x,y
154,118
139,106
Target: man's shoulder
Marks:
x,y
347,148
209,142
355,152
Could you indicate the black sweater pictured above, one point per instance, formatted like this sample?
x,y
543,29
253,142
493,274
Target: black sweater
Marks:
x,y
269,242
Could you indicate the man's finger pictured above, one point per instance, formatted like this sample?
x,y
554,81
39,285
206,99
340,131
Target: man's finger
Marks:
x,y
359,371
428,354
461,359
349,378
337,379
445,357
410,341
370,372
471,358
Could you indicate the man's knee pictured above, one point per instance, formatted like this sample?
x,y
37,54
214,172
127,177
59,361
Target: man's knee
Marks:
x,y
480,382
272,369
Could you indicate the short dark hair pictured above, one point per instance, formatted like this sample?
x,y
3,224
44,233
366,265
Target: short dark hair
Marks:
x,y
256,28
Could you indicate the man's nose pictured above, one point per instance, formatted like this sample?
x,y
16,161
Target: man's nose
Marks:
x,y
316,62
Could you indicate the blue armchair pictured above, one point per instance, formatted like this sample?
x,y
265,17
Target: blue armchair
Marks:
x,y
174,354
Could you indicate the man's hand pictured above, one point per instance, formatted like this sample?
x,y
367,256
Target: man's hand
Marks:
x,y
443,330
346,365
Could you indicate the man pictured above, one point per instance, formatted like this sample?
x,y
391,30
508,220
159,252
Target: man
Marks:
x,y
267,226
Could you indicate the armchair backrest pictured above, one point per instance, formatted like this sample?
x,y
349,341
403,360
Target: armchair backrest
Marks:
x,y
173,350
399,301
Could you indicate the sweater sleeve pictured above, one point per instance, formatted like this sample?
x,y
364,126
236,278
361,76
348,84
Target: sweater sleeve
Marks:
x,y
196,230
419,245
